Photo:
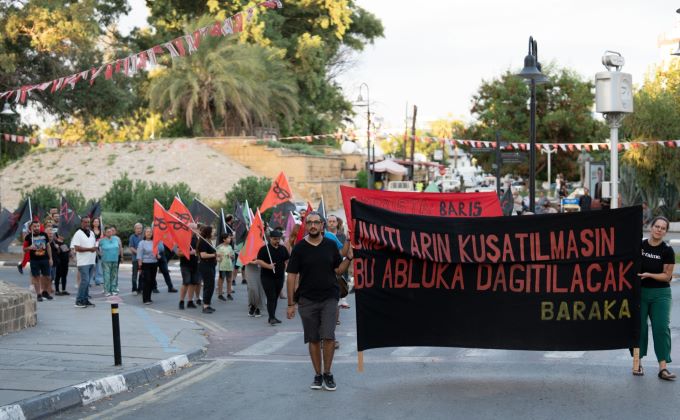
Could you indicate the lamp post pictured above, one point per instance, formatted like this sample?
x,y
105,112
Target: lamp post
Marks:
x,y
369,161
532,73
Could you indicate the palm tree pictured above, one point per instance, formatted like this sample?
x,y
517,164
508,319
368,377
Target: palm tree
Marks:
x,y
226,88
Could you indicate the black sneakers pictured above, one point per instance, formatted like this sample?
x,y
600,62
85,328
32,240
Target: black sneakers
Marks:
x,y
40,299
208,310
221,297
257,313
328,382
251,310
229,297
199,302
181,305
191,304
80,305
318,380
20,268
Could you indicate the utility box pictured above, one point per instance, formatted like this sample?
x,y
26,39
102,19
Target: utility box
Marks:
x,y
613,92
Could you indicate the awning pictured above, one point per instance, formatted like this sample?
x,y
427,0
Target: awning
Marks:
x,y
388,165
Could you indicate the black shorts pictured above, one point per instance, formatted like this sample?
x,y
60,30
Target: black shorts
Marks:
x,y
318,318
189,276
225,274
40,268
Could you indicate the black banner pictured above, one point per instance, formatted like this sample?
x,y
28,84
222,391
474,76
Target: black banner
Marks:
x,y
542,282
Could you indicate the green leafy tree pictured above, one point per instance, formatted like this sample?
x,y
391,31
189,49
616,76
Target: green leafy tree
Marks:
x,y
250,188
564,115
315,37
48,197
656,117
226,88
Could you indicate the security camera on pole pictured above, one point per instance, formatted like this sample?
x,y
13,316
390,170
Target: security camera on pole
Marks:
x,y
614,99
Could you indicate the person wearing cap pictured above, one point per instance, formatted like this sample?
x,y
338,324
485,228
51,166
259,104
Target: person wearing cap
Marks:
x,y
272,259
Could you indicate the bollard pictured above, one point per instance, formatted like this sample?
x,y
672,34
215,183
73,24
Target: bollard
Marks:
x,y
116,335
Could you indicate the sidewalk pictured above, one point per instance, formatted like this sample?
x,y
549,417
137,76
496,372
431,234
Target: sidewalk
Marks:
x,y
71,346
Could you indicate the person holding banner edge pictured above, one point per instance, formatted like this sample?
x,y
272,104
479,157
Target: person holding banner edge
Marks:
x,y
656,272
312,286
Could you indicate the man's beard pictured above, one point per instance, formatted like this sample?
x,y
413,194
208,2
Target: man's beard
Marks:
x,y
314,235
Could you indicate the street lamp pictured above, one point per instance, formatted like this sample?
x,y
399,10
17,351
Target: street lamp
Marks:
x,y
369,161
549,152
677,52
532,73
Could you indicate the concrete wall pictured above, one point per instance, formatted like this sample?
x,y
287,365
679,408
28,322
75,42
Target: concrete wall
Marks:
x,y
310,177
17,309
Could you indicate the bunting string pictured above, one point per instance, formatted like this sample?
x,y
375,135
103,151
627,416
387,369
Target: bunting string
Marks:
x,y
15,138
129,66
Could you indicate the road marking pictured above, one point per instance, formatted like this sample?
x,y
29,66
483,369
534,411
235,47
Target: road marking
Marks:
x,y
411,352
564,354
484,353
167,390
348,346
155,331
270,344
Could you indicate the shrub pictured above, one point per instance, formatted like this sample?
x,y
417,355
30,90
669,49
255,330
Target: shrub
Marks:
x,y
128,196
304,149
47,197
124,222
362,179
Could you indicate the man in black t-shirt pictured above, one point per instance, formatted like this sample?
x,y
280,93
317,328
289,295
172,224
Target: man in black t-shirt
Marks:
x,y
41,260
312,284
272,260
188,266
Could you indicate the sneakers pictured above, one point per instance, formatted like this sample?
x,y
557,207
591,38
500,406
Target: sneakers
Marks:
x,y
229,297
233,282
181,305
173,290
156,291
318,381
278,321
244,281
199,302
88,303
20,268
48,296
190,304
65,293
272,322
107,294
149,302
257,313
80,305
221,297
328,382
344,304
251,310
40,298
208,310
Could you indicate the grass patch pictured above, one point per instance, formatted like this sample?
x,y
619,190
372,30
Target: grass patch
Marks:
x,y
303,149
677,258
111,159
173,169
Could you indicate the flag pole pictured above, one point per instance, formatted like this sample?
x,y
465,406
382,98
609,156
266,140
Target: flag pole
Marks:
x,y
264,236
30,216
195,232
225,223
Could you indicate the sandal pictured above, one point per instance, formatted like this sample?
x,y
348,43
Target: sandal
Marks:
x,y
666,375
639,372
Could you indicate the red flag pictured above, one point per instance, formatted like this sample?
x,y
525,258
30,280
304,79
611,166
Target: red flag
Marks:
x,y
302,232
161,230
170,230
179,210
254,241
278,193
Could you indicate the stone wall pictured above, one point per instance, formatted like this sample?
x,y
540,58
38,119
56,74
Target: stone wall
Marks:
x,y
17,308
310,177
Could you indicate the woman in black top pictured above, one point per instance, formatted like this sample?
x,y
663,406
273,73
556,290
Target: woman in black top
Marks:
x,y
206,267
656,271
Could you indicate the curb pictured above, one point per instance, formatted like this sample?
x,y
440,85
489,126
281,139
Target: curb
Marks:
x,y
171,267
88,392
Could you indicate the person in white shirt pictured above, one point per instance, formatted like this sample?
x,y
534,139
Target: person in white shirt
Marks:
x,y
84,243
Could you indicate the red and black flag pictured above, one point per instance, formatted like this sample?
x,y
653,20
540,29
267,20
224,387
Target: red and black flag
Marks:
x,y
180,211
280,214
4,217
507,202
68,219
201,213
279,192
94,210
15,220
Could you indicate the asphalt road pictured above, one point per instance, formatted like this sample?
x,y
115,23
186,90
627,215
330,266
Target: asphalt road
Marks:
x,y
254,371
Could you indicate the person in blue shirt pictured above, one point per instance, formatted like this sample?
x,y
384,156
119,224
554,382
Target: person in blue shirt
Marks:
x,y
109,248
